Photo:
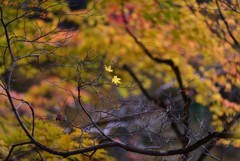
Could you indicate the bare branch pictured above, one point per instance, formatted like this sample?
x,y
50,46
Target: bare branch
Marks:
x,y
138,83
14,146
230,6
144,91
227,26
212,144
175,69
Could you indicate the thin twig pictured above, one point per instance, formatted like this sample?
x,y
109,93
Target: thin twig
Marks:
x,y
14,146
175,69
227,25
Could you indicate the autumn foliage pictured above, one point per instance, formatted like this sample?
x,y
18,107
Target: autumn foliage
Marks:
x,y
156,75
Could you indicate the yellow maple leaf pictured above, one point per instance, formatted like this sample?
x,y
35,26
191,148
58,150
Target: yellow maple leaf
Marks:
x,y
116,80
108,68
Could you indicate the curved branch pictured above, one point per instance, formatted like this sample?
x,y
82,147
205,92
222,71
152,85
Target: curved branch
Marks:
x,y
227,26
29,105
14,146
139,83
176,71
211,145
6,36
173,124
230,6
127,147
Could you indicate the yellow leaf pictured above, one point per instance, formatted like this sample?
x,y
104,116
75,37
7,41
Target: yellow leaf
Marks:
x,y
116,80
108,68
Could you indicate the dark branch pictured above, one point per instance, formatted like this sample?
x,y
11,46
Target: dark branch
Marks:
x,y
139,83
14,146
176,71
211,144
144,91
230,6
127,147
227,26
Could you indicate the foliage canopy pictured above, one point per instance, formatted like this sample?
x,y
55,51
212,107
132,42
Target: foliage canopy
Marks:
x,y
121,72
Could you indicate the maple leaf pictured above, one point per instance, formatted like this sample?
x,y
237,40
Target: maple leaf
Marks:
x,y
116,80
108,68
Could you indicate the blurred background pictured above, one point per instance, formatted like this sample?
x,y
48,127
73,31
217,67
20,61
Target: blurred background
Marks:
x,y
160,52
